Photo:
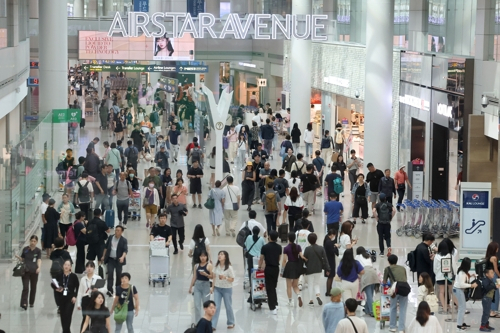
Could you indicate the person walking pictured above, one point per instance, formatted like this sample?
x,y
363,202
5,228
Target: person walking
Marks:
x,y
114,256
315,258
216,214
195,174
308,140
360,198
400,179
232,138
294,206
346,240
58,257
66,212
161,158
96,233
398,274
232,202
292,268
333,312
373,178
204,325
31,256
101,195
272,206
200,283
114,158
270,254
123,192
198,244
132,154
289,160
177,212
180,190
310,184
247,185
253,246
267,133
327,147
97,318
51,226
332,251
348,272
386,186
223,278
383,213
424,322
125,292
173,137
353,164
295,134
242,148
150,202
351,323
86,288
66,292
333,210
79,228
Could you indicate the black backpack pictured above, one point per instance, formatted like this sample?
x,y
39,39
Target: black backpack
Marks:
x,y
83,192
132,155
480,267
92,235
198,248
384,213
325,143
475,294
57,267
299,170
411,262
243,234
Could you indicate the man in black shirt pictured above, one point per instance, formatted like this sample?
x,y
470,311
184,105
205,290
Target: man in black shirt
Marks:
x,y
205,323
177,212
373,178
271,254
92,163
309,185
95,249
195,173
162,230
260,152
424,256
100,189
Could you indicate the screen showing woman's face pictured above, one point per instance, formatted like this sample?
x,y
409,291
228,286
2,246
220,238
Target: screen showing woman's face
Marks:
x,y
161,42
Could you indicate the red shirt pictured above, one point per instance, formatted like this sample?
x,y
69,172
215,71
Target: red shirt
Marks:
x,y
400,177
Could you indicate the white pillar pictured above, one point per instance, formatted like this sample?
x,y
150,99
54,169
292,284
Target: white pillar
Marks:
x,y
212,78
485,31
330,9
53,73
378,89
300,76
418,25
78,8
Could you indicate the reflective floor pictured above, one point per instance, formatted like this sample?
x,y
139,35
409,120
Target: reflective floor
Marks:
x,y
171,309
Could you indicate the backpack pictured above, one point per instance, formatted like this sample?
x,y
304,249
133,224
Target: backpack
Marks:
x,y
325,143
198,248
411,262
432,300
477,293
83,192
479,267
339,138
279,186
57,267
384,214
72,173
337,185
70,235
132,155
271,202
299,171
243,234
195,155
92,234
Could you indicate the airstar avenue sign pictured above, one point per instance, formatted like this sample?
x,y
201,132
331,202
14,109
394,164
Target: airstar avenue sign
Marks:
x,y
260,26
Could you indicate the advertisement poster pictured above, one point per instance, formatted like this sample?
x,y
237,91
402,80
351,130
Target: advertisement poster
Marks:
x,y
96,45
475,219
258,285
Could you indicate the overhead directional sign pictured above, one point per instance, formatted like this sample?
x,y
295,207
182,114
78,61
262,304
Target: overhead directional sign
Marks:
x,y
192,69
129,68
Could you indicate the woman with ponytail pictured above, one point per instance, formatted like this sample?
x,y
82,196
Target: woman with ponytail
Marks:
x,y
292,268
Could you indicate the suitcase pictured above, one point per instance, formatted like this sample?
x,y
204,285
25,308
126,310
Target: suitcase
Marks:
x,y
82,123
109,218
283,232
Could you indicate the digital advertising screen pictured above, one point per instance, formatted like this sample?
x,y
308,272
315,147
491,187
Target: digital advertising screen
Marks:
x,y
96,45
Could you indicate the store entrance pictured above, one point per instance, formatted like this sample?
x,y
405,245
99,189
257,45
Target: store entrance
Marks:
x,y
439,162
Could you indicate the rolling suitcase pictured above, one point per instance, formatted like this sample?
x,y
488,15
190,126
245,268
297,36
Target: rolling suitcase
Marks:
x,y
109,218
283,232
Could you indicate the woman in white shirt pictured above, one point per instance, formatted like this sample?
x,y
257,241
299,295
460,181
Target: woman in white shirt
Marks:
x,y
345,240
426,286
442,253
223,277
424,322
293,207
308,140
461,283
85,290
67,211
294,180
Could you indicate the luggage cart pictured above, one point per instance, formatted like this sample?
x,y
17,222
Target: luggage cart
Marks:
x,y
159,262
258,292
382,308
134,206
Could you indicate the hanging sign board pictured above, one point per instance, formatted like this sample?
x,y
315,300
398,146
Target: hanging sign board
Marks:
x,y
475,216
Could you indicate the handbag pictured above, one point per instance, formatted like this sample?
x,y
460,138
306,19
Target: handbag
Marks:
x,y
210,203
235,204
398,288
19,270
121,311
144,204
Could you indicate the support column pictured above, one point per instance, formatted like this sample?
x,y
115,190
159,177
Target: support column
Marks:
x,y
212,78
378,89
213,7
52,54
485,30
300,76
330,9
418,25
108,8
78,8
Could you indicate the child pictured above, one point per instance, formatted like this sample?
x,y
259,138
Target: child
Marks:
x,y
488,293
462,283
152,140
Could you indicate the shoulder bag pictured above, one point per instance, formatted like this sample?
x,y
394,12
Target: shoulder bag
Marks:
x,y
355,329
235,204
323,266
210,203
398,288
121,310
19,270
247,253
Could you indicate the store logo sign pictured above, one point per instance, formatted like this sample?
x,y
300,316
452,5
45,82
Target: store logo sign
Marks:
x,y
337,81
415,102
444,110
258,26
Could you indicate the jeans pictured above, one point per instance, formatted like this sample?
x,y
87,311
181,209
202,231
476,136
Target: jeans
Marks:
x,y
110,198
271,222
403,304
352,177
227,295
113,265
177,231
309,149
486,302
369,299
268,145
174,149
384,232
459,293
241,159
271,280
129,321
122,207
101,200
494,305
296,148
201,295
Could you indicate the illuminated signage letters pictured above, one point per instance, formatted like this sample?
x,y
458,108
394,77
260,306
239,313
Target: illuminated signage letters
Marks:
x,y
444,110
259,26
337,81
415,102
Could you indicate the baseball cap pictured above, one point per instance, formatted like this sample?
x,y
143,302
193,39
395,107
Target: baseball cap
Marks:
x,y
382,196
335,292
249,163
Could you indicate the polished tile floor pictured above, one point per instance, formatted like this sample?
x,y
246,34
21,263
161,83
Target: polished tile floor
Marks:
x,y
171,309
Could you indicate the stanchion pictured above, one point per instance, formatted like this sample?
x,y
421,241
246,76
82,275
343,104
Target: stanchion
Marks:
x,y
452,319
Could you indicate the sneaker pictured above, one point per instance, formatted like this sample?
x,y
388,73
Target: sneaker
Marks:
x,y
109,293
465,325
300,286
175,252
274,312
300,301
290,303
392,330
489,327
484,329
199,206
311,304
363,221
194,206
181,246
381,253
460,329
320,302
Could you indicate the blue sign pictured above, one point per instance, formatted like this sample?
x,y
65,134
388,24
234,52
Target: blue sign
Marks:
x,y
192,69
141,6
475,199
194,7
30,118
